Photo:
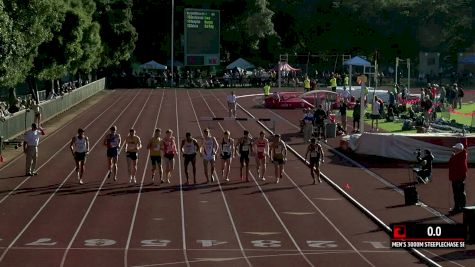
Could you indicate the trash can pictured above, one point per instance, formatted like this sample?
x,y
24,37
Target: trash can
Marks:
x,y
330,130
469,223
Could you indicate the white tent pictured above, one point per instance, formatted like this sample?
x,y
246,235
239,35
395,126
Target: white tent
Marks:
x,y
153,65
240,63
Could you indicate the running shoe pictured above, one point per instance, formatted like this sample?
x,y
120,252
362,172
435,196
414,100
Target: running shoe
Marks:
x,y
263,178
277,181
227,179
168,180
80,181
115,177
135,180
34,173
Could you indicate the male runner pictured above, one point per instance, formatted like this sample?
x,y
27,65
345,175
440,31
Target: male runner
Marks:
x,y
169,150
279,156
189,147
227,154
231,99
262,148
132,146
243,148
112,141
316,157
80,148
208,151
154,146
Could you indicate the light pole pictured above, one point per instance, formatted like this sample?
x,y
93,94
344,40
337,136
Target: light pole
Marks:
x,y
171,41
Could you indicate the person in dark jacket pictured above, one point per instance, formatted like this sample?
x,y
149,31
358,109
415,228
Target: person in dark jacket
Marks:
x,y
457,174
424,174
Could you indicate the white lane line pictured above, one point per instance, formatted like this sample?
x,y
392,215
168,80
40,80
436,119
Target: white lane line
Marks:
x,y
313,204
197,260
236,233
306,251
46,202
182,204
52,156
132,223
48,136
78,229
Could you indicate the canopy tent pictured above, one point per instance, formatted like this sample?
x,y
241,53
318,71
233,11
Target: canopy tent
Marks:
x,y
357,61
240,63
176,63
285,67
470,59
153,65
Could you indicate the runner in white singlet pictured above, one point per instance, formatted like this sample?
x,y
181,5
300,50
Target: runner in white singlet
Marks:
x,y
208,151
80,148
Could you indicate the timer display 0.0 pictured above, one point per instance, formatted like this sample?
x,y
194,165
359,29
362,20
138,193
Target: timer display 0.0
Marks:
x,y
412,235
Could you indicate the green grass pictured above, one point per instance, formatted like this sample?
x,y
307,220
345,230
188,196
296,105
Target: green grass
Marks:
x,y
396,127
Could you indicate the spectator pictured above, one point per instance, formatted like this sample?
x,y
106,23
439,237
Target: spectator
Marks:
x,y
375,113
37,109
333,83
343,107
457,174
460,95
356,116
426,105
319,117
442,93
424,174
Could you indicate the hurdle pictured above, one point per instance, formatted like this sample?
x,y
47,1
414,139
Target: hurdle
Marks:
x,y
239,119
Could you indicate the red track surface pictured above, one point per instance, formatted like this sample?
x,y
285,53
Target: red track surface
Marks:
x,y
50,220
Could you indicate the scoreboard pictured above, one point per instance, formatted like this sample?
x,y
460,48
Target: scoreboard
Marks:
x,y
201,37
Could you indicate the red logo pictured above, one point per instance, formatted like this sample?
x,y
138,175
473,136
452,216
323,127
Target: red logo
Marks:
x,y
399,232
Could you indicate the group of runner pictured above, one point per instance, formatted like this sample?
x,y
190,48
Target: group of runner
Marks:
x,y
209,149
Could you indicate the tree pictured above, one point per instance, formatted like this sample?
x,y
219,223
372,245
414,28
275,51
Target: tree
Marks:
x,y
118,35
24,25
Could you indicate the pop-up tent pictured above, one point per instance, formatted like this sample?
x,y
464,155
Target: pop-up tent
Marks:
x,y
470,59
153,65
357,61
240,63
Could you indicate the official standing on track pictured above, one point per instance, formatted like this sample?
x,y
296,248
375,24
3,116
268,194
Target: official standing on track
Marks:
x,y
30,148
80,148
169,151
243,148
227,154
316,157
112,141
457,174
231,99
208,150
279,156
262,148
132,146
154,146
189,147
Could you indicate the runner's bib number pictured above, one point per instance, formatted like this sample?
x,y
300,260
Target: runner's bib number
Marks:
x,y
227,148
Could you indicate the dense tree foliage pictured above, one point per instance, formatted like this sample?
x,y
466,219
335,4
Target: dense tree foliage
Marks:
x,y
47,39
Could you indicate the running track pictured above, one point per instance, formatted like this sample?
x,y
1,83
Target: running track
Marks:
x,y
51,220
